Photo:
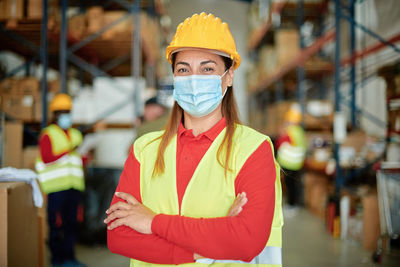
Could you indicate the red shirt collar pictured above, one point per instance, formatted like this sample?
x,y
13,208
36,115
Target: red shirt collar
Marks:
x,y
210,134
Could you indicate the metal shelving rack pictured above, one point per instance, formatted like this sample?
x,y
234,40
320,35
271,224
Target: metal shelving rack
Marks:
x,y
347,12
57,49
67,54
342,11
297,67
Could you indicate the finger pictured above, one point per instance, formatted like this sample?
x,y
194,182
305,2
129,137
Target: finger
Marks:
x,y
230,212
129,198
234,209
243,201
238,211
118,206
236,202
116,215
239,201
116,223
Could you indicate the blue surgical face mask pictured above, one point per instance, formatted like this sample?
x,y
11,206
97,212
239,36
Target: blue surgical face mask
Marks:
x,y
198,95
65,121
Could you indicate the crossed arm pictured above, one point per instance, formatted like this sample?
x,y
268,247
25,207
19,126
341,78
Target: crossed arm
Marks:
x,y
136,232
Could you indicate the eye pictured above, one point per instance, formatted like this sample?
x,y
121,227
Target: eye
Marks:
x,y
182,70
208,69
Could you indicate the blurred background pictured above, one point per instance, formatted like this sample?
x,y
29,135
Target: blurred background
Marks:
x,y
338,59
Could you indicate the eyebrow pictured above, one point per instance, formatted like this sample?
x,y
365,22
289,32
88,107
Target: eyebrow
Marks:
x,y
208,61
201,63
183,63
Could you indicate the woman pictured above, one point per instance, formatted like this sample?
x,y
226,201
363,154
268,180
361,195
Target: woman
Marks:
x,y
175,202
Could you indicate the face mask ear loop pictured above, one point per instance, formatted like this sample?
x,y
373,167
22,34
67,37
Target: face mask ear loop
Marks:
x,y
226,89
224,73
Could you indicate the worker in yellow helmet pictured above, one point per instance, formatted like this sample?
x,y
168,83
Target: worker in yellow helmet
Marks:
x,y
60,173
206,189
291,146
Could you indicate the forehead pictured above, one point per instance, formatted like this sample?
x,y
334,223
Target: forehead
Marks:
x,y
197,56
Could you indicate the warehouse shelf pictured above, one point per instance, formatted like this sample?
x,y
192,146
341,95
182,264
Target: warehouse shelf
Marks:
x,y
313,68
107,52
296,68
288,12
24,40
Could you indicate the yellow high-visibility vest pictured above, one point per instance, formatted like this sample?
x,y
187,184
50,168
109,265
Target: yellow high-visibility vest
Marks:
x,y
66,172
209,193
292,156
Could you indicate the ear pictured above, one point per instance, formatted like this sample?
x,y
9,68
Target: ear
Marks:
x,y
229,76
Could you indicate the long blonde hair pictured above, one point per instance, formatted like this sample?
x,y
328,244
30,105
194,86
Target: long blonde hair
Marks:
x,y
229,111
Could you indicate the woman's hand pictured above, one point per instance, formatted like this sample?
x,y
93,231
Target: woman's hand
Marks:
x,y
130,213
237,206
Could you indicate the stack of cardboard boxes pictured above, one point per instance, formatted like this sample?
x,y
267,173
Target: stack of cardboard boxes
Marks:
x,y
21,99
19,239
16,9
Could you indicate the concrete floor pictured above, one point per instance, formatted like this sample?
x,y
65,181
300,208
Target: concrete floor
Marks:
x,y
306,244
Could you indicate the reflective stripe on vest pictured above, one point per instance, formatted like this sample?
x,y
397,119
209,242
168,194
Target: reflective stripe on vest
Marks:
x,y
66,172
292,156
269,255
209,193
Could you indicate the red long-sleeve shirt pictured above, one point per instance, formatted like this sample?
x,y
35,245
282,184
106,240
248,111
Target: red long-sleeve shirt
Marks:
x,y
176,238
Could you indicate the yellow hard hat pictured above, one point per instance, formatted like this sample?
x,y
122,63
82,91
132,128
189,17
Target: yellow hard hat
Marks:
x,y
204,31
293,115
61,102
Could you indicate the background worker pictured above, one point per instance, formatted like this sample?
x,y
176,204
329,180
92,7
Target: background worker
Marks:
x,y
207,189
61,177
155,116
291,146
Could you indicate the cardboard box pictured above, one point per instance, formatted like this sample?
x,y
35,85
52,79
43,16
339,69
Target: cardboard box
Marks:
x,y
13,9
394,120
54,86
28,86
18,225
316,193
35,9
124,26
30,154
77,27
268,59
13,144
95,19
319,123
2,9
356,139
371,224
42,223
9,86
287,45
20,107
38,112
275,114
271,124
42,231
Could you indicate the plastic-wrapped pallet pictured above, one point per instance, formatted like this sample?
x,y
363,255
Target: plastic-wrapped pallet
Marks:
x,y
114,98
83,107
113,147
